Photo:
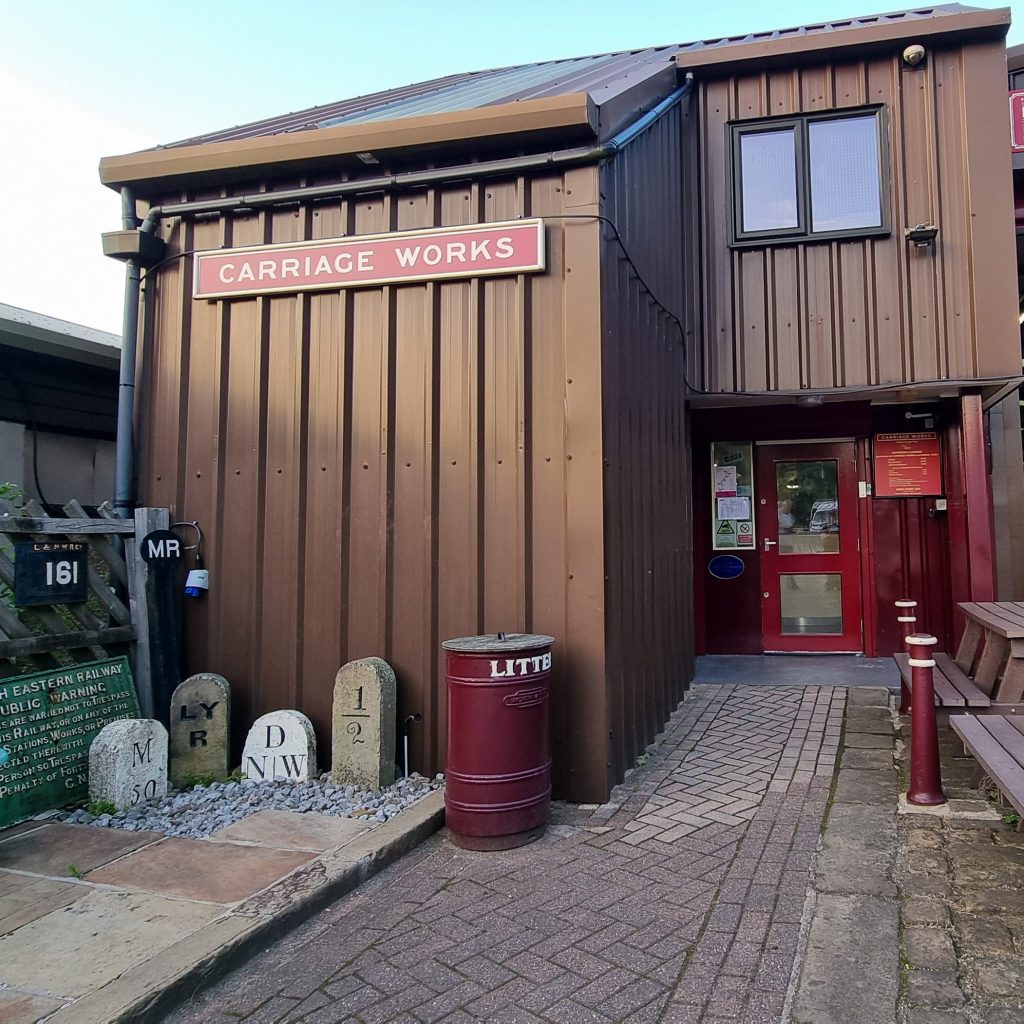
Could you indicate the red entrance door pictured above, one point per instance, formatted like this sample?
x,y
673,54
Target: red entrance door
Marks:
x,y
810,558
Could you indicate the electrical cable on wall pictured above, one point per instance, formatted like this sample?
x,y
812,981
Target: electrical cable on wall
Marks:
x,y
649,291
852,388
22,393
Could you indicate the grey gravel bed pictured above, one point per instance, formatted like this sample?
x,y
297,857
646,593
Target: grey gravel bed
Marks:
x,y
201,811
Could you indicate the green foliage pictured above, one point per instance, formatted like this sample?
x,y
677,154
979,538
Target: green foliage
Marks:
x,y
1011,818
237,775
11,492
73,871
642,759
192,781
98,807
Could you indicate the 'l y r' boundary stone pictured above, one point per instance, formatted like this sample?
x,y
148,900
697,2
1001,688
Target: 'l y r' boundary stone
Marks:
x,y
200,720
363,727
281,745
128,763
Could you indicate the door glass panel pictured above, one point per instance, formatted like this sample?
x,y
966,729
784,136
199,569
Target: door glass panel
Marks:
x,y
808,498
811,603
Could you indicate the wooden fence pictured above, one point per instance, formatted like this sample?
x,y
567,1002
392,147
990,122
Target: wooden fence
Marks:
x,y
115,620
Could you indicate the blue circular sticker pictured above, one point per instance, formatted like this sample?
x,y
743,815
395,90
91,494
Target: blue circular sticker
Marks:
x,y
726,567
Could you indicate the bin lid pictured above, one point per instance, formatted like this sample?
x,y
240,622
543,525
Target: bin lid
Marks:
x,y
498,643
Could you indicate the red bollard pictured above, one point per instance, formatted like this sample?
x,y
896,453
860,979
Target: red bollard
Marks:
x,y
907,619
925,777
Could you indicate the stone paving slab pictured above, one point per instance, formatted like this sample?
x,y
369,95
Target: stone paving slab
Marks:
x,y
680,899
54,850
114,955
961,880
16,1008
59,954
24,899
196,869
290,830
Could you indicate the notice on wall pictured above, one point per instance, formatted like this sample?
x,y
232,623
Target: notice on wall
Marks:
x,y
908,465
725,481
733,508
47,722
732,503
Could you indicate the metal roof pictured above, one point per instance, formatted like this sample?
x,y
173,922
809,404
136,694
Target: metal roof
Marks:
x,y
464,91
599,75
21,328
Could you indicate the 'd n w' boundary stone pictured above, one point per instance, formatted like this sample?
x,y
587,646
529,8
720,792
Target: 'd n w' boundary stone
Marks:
x,y
363,733
280,745
200,719
128,763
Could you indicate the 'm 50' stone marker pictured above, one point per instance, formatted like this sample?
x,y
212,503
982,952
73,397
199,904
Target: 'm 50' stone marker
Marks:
x,y
47,722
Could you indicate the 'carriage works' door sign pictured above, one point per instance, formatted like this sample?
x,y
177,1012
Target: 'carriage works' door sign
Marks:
x,y
908,465
512,247
47,721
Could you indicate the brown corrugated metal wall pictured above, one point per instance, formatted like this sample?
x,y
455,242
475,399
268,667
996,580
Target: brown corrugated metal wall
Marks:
x,y
648,536
379,469
875,310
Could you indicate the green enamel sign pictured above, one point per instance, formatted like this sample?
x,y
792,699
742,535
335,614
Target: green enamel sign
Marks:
x,y
47,721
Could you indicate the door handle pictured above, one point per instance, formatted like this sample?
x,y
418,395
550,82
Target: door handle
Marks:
x,y
770,543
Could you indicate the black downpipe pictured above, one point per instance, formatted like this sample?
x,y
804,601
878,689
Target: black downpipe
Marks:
x,y
124,462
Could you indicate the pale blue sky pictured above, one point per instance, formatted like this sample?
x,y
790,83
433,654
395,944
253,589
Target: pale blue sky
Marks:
x,y
80,80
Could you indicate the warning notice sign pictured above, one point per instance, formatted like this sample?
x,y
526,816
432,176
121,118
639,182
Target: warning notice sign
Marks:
x,y
908,465
725,535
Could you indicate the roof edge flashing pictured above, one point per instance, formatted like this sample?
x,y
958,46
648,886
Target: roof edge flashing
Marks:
x,y
525,117
799,49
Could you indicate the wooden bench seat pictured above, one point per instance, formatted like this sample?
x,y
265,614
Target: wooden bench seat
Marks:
x,y
954,689
986,675
997,744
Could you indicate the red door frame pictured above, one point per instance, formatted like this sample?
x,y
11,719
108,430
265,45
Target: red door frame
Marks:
x,y
846,561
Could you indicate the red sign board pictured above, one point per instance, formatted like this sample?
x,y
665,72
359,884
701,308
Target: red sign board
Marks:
x,y
907,465
513,247
1017,121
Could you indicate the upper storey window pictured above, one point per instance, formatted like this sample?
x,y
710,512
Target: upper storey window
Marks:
x,y
811,177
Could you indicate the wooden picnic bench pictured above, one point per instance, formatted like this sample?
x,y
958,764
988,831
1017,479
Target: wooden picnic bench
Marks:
x,y
986,675
997,744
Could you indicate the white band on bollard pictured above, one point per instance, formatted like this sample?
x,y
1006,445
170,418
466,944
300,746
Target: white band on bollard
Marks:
x,y
921,640
907,618
919,663
906,604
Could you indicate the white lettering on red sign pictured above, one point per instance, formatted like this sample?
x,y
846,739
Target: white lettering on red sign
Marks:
x,y
503,668
514,247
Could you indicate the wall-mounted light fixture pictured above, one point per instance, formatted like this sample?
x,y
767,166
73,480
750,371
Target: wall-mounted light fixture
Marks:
x,y
921,234
913,55
809,401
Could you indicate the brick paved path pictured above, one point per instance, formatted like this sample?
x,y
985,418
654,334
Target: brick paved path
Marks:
x,y
679,901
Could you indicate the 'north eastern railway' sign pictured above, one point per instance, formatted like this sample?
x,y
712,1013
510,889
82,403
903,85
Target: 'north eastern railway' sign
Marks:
x,y
512,247
47,721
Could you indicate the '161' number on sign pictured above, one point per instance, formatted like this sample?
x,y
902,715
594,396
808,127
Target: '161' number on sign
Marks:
x,y
61,573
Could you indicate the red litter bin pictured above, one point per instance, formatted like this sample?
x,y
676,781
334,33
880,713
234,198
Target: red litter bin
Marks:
x,y
498,773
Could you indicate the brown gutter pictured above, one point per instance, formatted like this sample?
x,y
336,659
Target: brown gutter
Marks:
x,y
827,45
526,117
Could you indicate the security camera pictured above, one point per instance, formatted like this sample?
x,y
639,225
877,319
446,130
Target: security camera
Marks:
x,y
913,55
